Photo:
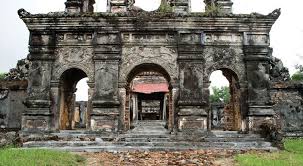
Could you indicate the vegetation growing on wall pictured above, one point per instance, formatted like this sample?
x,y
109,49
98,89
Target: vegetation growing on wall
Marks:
x,y
298,76
165,7
220,95
212,9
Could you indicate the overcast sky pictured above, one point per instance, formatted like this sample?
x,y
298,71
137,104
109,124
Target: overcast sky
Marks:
x,y
286,34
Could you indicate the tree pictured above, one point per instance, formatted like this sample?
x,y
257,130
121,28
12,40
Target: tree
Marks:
x,y
2,76
298,76
220,95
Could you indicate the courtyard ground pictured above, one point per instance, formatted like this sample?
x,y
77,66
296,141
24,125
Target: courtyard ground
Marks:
x,y
291,156
188,158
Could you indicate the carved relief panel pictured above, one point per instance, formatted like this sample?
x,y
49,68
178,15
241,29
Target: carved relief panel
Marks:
x,y
164,56
73,57
191,81
107,80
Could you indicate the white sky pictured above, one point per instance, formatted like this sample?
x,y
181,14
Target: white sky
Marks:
x,y
286,34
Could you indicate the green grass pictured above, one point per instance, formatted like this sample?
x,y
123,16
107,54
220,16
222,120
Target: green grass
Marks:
x,y
36,157
291,156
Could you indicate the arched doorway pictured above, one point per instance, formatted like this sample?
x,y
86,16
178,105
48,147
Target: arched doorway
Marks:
x,y
72,114
148,96
225,106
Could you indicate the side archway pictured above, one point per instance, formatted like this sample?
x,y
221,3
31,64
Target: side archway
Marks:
x,y
228,114
68,115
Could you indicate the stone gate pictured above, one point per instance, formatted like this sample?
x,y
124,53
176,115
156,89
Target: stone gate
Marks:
x,y
111,48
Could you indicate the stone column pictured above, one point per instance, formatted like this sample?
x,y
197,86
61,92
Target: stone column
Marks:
x,y
89,106
123,121
257,60
38,116
73,6
117,6
105,111
135,107
164,107
225,6
192,106
55,109
181,6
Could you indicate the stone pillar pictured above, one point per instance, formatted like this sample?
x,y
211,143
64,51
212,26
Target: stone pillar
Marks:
x,y
105,111
117,6
135,106
164,107
123,121
192,107
181,6
257,60
225,6
88,6
38,115
55,107
73,6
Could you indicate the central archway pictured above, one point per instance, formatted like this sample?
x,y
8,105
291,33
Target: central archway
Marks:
x,y
148,96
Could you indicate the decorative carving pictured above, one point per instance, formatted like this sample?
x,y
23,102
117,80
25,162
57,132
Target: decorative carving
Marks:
x,y
20,72
276,13
23,13
107,78
163,56
278,72
71,37
73,57
3,94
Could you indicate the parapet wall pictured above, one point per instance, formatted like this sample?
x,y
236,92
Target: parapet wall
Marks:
x,y
12,95
287,98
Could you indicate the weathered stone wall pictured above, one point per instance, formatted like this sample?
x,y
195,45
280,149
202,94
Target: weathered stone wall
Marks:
x,y
110,48
288,104
12,95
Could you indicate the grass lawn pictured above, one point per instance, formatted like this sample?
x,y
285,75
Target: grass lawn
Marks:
x,y
35,157
291,156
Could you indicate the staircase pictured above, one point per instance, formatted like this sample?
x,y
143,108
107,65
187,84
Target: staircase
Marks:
x,y
150,136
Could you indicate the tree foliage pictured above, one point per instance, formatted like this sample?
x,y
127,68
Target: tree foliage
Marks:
x,y
2,76
298,76
165,7
212,9
220,95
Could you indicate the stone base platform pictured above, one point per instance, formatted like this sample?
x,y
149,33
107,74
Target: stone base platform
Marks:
x,y
148,137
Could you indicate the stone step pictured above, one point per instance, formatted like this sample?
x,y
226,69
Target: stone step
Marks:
x,y
189,145
152,147
144,135
78,137
233,135
63,143
200,144
150,122
146,139
229,139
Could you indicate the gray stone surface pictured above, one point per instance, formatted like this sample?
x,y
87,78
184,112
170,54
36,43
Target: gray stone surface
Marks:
x,y
12,95
152,136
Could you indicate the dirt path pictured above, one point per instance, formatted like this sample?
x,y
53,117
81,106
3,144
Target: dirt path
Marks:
x,y
188,158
